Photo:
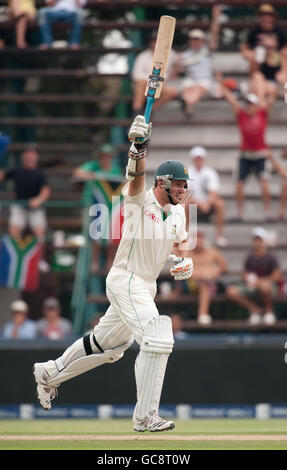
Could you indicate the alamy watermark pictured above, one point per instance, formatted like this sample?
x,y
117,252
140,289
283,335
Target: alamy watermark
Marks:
x,y
144,223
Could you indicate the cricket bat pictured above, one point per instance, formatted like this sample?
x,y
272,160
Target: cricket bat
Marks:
x,y
160,61
156,78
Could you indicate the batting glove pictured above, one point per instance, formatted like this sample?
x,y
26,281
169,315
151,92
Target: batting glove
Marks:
x,y
140,131
182,269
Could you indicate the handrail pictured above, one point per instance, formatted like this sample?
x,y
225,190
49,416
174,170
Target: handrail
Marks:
x,y
79,294
51,203
178,3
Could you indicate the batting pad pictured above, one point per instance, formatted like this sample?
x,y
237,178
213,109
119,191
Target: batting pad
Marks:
x,y
75,361
150,366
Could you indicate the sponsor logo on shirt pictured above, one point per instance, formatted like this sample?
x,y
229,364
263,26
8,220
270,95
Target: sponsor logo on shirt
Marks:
x,y
151,216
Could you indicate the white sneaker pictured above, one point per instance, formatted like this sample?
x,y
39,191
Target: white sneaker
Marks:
x,y
269,318
204,319
255,319
153,423
45,394
221,242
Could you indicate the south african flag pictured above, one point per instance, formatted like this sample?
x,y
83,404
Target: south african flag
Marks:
x,y
19,262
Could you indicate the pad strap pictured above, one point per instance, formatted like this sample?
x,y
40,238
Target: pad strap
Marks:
x,y
87,344
156,345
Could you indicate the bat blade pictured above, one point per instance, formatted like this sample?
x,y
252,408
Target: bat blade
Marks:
x,y
160,57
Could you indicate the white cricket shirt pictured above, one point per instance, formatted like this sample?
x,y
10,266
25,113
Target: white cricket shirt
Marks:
x,y
148,235
202,182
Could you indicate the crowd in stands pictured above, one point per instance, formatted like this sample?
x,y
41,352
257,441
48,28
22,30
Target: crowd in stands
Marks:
x,y
190,78
24,12
50,326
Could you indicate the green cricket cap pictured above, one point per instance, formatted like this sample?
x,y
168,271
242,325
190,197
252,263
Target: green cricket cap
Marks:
x,y
174,169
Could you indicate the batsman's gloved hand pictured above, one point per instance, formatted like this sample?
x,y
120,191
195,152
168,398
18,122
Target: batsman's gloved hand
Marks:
x,y
140,131
182,269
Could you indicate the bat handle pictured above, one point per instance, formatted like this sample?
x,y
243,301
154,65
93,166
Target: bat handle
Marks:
x,y
147,113
148,108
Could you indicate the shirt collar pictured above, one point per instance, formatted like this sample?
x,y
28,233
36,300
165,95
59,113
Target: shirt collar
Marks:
x,y
154,199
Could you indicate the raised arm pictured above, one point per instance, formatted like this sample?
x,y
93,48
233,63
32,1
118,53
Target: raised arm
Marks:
x,y
214,28
229,96
139,134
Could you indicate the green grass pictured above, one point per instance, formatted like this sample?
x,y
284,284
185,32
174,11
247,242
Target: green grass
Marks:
x,y
119,427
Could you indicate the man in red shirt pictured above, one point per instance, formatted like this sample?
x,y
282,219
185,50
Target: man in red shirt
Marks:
x,y
252,120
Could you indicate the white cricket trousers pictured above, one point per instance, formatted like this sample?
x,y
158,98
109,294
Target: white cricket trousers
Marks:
x,y
131,308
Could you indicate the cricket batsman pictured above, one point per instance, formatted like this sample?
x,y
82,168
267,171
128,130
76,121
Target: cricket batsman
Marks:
x,y
154,229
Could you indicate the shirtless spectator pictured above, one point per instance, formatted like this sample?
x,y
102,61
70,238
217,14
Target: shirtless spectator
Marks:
x,y
209,265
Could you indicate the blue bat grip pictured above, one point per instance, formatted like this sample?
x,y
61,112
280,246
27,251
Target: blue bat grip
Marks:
x,y
148,109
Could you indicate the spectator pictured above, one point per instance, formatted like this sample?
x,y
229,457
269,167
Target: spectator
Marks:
x,y
196,64
252,120
260,279
23,12
205,187
271,74
107,176
103,161
69,11
53,326
32,188
21,327
177,327
255,48
209,264
282,169
141,70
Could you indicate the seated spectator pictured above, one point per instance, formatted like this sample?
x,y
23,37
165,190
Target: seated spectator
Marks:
x,y
21,327
177,327
256,47
252,121
271,74
106,173
31,186
142,69
196,64
204,186
260,280
209,264
283,193
68,11
53,326
23,12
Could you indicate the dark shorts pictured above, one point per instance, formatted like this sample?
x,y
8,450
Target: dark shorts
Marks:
x,y
204,216
247,167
